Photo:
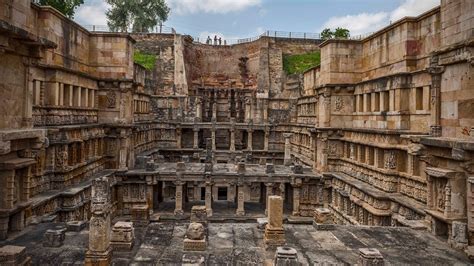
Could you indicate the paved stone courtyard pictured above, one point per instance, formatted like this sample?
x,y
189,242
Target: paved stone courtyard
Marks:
x,y
161,243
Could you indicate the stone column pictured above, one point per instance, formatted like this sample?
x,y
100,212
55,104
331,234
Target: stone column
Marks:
x,y
178,210
287,158
99,252
248,115
209,199
214,110
296,200
266,140
436,75
274,232
213,138
196,138
199,109
232,139
249,140
268,193
240,200
178,138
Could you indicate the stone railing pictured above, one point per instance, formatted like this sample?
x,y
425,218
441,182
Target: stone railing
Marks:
x,y
54,116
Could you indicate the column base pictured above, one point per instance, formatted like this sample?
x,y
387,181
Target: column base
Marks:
x,y
240,213
274,237
98,258
209,212
178,212
194,245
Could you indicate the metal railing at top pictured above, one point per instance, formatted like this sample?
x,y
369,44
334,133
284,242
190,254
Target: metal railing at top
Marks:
x,y
104,28
274,34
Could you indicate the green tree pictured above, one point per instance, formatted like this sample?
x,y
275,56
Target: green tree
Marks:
x,y
327,34
67,7
137,15
341,33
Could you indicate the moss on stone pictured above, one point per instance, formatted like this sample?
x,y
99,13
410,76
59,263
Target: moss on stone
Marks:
x,y
144,59
297,64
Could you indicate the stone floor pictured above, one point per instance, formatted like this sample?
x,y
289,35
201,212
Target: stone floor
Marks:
x,y
241,244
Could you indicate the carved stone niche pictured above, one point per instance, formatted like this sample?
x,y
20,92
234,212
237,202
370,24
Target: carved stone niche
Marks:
x,y
446,193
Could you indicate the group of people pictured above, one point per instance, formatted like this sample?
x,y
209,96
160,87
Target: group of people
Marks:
x,y
217,41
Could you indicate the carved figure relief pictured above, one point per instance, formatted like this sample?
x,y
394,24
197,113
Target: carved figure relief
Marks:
x,y
111,99
391,160
338,104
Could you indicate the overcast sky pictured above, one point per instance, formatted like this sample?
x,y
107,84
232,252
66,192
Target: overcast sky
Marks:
x,y
234,19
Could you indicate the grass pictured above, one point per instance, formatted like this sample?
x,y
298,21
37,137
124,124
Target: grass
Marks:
x,y
297,64
145,60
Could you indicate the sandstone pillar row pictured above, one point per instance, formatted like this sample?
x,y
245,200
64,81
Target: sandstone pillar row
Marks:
x,y
287,158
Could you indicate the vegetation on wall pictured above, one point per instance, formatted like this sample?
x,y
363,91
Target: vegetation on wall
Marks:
x,y
67,7
144,59
297,64
137,16
339,33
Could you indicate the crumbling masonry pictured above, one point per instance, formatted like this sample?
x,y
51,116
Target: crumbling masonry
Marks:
x,y
381,133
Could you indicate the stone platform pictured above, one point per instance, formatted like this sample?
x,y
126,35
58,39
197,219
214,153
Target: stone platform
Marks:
x,y
242,243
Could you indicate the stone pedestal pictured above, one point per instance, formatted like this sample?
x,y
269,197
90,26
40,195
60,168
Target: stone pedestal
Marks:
x,y
195,239
286,256
274,232
122,236
370,257
140,214
95,258
195,245
54,237
14,256
76,226
323,219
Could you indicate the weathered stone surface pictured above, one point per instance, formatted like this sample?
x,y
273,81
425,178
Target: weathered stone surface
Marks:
x,y
286,256
13,256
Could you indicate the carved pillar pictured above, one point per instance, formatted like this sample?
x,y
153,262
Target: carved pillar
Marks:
x,y
266,140
268,193
436,75
149,194
287,158
240,200
248,110
99,252
178,137
196,138
178,210
213,137
199,109
209,198
296,199
249,139
214,110
232,139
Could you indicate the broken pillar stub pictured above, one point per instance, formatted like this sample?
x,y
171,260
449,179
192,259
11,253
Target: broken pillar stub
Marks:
x,y
195,239
14,256
54,237
76,226
323,219
274,232
199,214
370,257
122,236
286,256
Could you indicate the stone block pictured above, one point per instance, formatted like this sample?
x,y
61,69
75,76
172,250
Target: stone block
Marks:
x,y
140,213
76,226
194,245
323,216
54,237
274,237
370,257
14,256
275,211
459,234
122,236
181,167
286,256
241,168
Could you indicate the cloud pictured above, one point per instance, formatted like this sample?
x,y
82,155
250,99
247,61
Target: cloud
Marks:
x,y
412,8
182,7
369,22
92,13
358,24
